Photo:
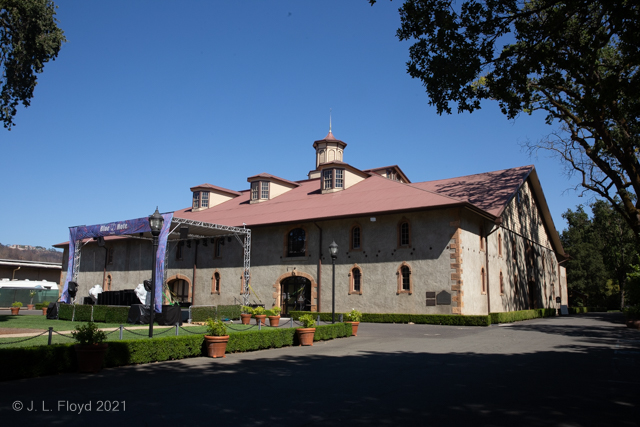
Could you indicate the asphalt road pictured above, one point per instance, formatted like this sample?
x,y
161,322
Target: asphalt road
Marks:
x,y
570,371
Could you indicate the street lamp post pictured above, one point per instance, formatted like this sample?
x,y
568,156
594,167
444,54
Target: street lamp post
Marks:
x,y
155,222
333,249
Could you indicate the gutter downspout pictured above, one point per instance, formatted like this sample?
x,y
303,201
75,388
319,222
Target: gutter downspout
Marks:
x,y
319,274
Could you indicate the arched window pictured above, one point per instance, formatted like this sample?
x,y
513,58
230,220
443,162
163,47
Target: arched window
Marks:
x,y
356,238
499,244
215,283
501,284
322,157
482,238
218,247
484,283
404,233
405,279
355,280
515,283
296,246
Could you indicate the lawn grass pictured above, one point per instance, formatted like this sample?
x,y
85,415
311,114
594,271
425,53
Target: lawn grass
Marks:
x,y
42,323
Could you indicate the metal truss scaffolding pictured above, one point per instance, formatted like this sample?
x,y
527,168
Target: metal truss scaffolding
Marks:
x,y
199,229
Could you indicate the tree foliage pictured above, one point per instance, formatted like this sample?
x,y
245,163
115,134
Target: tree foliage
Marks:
x,y
577,61
29,37
602,249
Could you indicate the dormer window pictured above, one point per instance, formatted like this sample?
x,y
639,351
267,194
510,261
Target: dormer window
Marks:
x,y
260,190
332,179
200,199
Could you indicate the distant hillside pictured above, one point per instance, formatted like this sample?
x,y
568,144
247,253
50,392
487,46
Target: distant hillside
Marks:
x,y
30,253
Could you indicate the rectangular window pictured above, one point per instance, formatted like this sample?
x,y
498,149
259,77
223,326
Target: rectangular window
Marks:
x,y
110,256
204,202
196,199
339,178
327,179
218,249
255,187
265,190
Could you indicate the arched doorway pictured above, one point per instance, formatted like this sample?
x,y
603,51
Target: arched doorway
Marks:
x,y
295,294
179,287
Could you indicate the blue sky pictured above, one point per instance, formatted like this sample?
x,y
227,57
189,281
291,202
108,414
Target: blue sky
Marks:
x,y
150,98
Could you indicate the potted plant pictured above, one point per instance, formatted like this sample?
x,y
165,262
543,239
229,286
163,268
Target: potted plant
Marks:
x,y
216,338
306,333
632,316
274,316
45,306
245,316
260,316
15,308
353,317
30,305
90,349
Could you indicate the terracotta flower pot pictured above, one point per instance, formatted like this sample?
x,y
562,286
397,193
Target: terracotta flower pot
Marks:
x,y
246,318
44,310
90,356
305,335
15,311
354,328
30,306
216,346
260,319
274,321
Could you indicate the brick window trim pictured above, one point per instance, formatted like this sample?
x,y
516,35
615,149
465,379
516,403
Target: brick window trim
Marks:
x,y
352,291
400,290
213,282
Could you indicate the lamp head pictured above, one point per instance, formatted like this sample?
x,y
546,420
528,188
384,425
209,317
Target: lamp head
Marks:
x,y
333,249
155,222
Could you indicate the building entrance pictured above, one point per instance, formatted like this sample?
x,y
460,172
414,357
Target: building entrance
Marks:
x,y
295,294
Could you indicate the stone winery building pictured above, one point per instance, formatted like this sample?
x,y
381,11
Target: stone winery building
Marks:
x,y
468,245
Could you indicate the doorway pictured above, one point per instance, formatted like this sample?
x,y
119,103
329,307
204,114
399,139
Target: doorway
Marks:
x,y
295,294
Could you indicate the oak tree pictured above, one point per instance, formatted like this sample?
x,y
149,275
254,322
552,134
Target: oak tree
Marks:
x,y
29,37
577,61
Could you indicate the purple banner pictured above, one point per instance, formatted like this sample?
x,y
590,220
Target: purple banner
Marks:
x,y
132,226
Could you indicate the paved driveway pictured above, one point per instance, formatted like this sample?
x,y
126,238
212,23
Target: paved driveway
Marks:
x,y
570,371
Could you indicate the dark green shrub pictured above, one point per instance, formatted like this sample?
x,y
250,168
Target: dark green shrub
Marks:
x,y
99,313
65,311
83,313
116,314
48,360
329,332
516,316
229,311
201,314
434,319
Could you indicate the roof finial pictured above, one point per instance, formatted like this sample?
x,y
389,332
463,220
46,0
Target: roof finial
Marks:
x,y
330,120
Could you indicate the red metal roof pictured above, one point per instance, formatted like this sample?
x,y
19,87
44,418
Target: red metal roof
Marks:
x,y
488,192
213,187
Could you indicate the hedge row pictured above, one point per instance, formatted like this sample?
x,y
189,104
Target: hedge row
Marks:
x,y
28,362
516,316
97,313
202,313
433,319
